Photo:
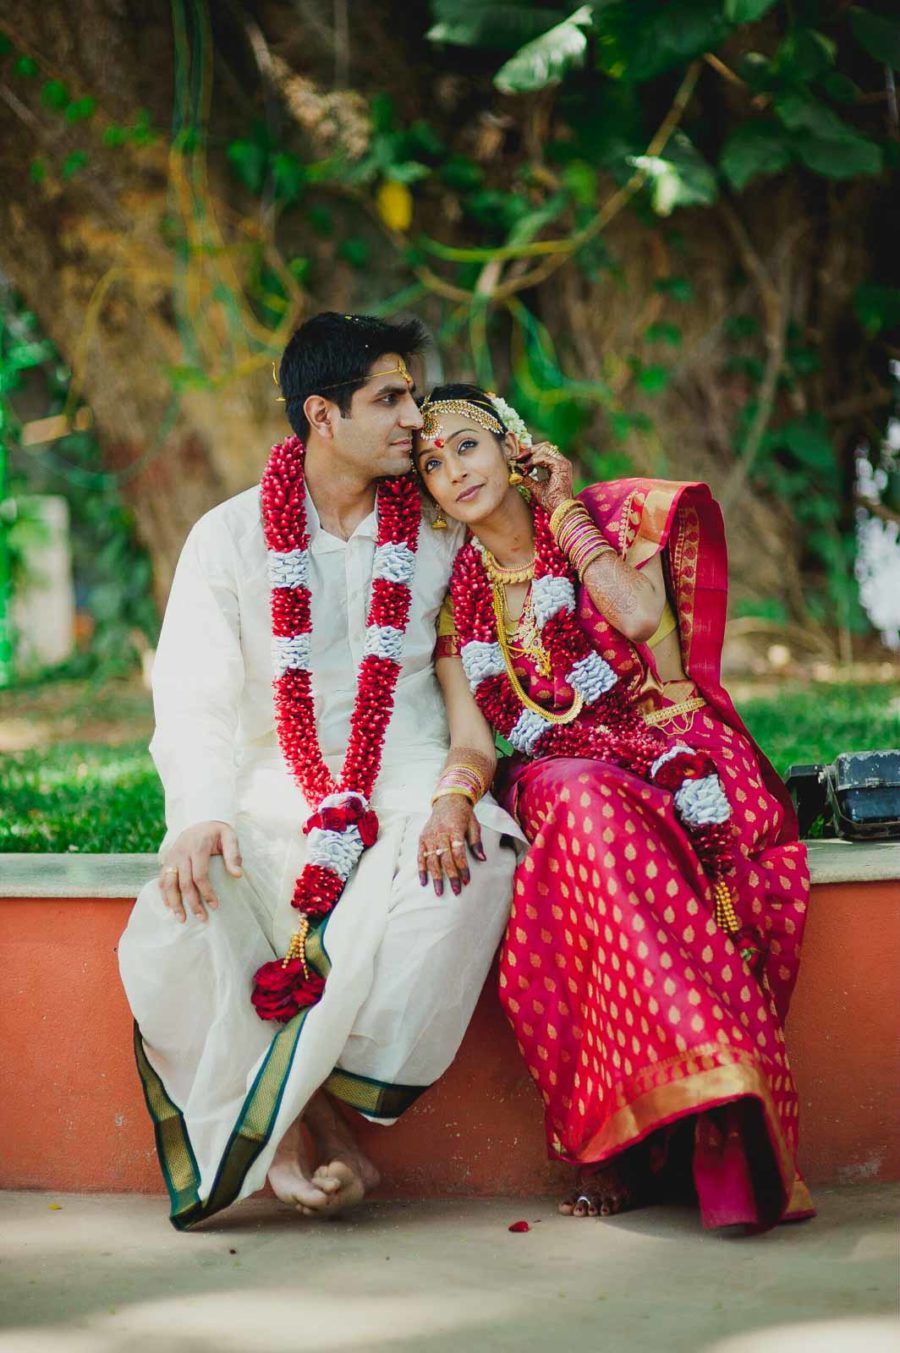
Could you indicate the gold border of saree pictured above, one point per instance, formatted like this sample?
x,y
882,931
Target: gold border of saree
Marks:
x,y
256,1119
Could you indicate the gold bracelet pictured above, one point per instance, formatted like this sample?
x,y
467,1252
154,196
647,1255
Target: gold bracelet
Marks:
x,y
564,508
598,553
453,789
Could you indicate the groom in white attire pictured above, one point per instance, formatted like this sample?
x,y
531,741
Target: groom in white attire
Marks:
x,y
403,958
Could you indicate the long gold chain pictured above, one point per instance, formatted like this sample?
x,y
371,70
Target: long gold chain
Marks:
x,y
577,705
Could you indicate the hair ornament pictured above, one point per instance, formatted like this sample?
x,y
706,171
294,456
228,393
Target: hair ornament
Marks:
x,y
432,429
513,420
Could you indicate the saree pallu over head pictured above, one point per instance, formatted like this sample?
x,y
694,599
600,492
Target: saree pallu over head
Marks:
x,y
682,522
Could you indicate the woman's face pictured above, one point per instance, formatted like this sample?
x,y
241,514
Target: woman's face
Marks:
x,y
468,475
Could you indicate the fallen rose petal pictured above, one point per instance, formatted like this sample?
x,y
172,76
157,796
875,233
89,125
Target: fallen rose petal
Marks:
x,y
519,1226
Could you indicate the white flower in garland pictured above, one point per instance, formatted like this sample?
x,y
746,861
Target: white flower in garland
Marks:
x,y
513,420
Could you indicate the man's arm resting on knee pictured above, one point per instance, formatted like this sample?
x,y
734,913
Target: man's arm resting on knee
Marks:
x,y
184,876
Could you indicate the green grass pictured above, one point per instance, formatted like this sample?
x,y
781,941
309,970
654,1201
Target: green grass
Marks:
x,y
91,797
815,722
81,796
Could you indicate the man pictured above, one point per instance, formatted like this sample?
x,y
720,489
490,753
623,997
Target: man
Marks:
x,y
404,964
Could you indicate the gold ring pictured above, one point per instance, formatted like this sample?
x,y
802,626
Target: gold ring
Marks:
x,y
170,869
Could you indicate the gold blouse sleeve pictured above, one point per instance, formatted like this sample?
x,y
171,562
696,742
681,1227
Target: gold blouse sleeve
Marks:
x,y
447,645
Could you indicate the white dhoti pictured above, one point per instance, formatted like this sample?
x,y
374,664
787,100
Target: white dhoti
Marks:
x,y
404,966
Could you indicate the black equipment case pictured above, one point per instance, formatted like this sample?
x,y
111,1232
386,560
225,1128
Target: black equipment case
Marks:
x,y
859,793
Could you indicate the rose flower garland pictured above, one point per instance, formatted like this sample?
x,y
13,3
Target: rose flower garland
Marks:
x,y
342,824
600,722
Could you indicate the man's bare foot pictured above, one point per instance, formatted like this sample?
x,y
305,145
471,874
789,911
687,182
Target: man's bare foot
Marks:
x,y
600,1191
291,1175
346,1175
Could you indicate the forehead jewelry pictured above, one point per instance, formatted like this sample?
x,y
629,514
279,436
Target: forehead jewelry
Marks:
x,y
433,430
401,370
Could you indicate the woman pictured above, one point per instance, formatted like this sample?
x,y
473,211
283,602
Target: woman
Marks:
x,y
654,938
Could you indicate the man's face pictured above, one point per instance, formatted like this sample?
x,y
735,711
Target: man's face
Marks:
x,y
377,435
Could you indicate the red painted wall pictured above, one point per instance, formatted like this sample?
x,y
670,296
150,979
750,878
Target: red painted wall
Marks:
x,y
72,1115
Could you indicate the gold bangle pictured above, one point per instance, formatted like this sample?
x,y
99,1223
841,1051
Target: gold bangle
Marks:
x,y
598,553
453,789
562,510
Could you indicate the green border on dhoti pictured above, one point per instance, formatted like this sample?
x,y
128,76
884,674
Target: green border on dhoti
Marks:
x,y
257,1116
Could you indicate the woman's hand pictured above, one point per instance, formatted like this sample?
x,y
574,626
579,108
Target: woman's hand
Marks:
x,y
557,487
442,845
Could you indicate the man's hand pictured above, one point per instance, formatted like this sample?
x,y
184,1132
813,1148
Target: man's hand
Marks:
x,y
442,845
184,876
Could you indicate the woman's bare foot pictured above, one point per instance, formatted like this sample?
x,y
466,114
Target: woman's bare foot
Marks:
x,y
346,1175
600,1191
291,1175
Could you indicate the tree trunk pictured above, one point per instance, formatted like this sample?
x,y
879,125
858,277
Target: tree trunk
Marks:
x,y
93,256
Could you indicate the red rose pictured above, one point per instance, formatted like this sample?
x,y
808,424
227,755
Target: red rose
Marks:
x,y
280,990
685,766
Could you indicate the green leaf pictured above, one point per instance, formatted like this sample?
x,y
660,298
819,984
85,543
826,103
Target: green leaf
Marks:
x,y
878,35
640,39
38,170
547,58
754,148
74,162
5,45
678,288
321,220
840,87
802,113
410,171
462,174
356,251
653,379
301,268
471,23
381,111
842,159
54,95
525,229
805,54
248,160
877,308
746,11
680,177
81,110
115,136
288,177
663,332
27,67
581,180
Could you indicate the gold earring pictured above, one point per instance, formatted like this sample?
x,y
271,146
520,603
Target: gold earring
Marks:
x,y
439,524
514,477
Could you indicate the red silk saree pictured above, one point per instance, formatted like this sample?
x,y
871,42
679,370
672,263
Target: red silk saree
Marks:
x,y
634,1012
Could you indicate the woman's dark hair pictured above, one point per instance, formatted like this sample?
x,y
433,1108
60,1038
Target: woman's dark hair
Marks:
x,y
472,394
332,354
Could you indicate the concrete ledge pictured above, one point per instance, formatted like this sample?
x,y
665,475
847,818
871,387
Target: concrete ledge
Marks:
x,y
72,1115
73,875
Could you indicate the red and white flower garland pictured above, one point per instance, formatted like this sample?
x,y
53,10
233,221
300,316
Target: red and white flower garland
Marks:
x,y
608,726
342,825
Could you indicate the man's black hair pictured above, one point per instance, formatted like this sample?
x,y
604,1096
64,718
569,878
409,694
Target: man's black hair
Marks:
x,y
331,355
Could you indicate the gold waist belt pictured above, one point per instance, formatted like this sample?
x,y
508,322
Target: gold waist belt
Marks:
x,y
661,716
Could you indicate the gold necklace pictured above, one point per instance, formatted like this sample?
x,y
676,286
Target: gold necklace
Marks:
x,y
498,574
525,629
569,715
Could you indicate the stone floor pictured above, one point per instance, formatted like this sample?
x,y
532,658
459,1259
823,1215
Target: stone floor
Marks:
x,y
102,1274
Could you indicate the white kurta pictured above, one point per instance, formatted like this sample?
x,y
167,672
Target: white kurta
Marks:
x,y
407,966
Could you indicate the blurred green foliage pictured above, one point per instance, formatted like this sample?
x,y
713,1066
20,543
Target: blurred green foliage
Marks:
x,y
90,797
112,574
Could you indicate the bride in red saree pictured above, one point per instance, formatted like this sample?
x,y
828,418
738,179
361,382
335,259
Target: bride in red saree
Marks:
x,y
655,931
